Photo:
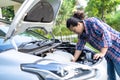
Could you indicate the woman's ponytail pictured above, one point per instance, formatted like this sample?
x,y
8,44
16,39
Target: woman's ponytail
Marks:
x,y
79,14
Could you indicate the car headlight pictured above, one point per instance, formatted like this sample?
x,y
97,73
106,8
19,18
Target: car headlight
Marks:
x,y
59,71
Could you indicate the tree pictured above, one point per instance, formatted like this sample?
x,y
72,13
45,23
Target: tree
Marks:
x,y
114,20
8,12
100,8
65,12
106,10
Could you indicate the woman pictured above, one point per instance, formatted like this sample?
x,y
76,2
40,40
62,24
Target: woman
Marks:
x,y
101,36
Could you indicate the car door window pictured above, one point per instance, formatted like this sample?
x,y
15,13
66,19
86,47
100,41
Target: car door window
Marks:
x,y
2,34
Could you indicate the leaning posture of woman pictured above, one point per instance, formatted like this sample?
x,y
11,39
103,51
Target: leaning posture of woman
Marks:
x,y
101,36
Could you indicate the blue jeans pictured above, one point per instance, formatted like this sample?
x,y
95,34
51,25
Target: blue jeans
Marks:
x,y
111,68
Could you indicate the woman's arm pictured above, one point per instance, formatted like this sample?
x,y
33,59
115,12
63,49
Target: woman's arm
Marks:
x,y
79,47
76,55
101,31
101,54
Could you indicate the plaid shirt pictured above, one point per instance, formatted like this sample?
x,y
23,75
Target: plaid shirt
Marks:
x,y
100,35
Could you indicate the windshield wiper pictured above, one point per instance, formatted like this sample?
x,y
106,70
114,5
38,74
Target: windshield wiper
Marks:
x,y
37,43
5,21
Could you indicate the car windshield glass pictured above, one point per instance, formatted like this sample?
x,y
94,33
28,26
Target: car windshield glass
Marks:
x,y
30,35
35,34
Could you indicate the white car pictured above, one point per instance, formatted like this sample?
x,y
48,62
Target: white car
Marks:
x,y
33,56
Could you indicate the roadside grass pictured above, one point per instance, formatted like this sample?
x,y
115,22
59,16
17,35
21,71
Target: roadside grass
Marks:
x,y
88,45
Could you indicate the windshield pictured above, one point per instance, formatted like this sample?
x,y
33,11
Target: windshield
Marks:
x,y
47,11
34,34
23,39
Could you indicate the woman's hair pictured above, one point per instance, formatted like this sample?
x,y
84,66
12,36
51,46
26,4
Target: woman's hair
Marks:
x,y
79,14
72,22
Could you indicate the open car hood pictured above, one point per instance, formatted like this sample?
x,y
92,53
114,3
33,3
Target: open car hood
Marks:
x,y
34,13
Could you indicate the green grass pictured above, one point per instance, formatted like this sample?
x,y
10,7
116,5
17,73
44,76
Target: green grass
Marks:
x,y
87,44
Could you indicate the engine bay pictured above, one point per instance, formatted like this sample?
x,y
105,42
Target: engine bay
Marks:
x,y
58,47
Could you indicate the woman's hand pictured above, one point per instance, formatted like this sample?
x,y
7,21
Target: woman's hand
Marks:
x,y
101,54
98,55
73,59
76,55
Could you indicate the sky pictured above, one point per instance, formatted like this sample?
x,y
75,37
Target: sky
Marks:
x,y
83,3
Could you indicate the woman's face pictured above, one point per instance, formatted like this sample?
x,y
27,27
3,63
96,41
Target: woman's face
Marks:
x,y
77,29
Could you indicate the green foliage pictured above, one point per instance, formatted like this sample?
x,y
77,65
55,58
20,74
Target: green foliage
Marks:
x,y
100,8
106,10
61,30
87,44
75,40
8,12
114,20
65,12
